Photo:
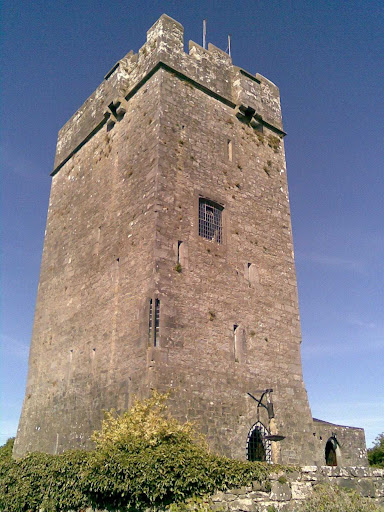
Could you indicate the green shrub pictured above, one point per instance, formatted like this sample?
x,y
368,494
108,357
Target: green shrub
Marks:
x,y
42,481
147,458
142,458
327,498
147,423
163,474
376,454
6,450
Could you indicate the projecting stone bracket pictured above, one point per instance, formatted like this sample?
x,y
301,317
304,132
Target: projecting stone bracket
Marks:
x,y
248,115
115,112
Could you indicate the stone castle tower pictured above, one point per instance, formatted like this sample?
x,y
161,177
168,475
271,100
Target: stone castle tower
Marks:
x,y
168,262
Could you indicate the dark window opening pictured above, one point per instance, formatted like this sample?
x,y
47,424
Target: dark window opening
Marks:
x,y
330,452
210,220
157,322
150,320
179,243
256,450
110,125
258,447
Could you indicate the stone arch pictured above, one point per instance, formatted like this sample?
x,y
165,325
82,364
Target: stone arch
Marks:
x,y
258,448
332,452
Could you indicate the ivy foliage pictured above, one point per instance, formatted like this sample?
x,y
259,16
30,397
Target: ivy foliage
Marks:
x,y
376,453
41,482
142,458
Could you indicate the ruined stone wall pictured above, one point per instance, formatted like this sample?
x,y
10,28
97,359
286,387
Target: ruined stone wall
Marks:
x,y
285,491
350,443
288,490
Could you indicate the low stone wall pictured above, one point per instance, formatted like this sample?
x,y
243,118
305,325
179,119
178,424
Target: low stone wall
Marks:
x,y
288,489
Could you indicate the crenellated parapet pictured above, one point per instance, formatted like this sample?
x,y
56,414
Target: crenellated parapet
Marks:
x,y
254,99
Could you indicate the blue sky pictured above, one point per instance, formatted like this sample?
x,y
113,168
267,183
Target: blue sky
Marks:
x,y
327,59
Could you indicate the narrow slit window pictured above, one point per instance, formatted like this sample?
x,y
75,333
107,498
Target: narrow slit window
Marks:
x,y
229,150
210,220
235,342
239,343
97,244
157,323
150,320
252,274
179,249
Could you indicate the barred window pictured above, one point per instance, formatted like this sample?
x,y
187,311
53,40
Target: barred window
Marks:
x,y
154,322
157,322
150,320
258,447
210,220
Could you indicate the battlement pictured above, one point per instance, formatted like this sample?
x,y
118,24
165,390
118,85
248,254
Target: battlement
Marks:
x,y
211,71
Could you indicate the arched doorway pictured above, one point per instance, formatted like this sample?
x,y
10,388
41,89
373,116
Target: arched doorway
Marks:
x,y
331,450
258,448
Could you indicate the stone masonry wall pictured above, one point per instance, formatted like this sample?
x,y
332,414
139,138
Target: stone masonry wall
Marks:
x,y
214,290
287,490
351,447
163,130
88,352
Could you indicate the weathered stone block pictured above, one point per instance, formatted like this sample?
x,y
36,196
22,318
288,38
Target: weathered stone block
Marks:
x,y
346,483
309,469
258,495
379,485
366,487
293,476
219,506
334,471
243,505
301,490
280,492
229,496
359,471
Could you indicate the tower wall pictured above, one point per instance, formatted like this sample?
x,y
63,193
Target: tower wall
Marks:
x,y
216,289
164,130
88,352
